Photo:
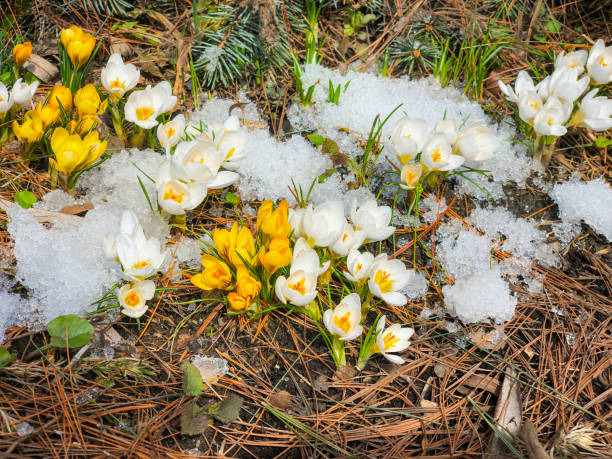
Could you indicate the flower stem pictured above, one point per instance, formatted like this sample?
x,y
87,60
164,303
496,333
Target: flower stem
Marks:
x,y
338,352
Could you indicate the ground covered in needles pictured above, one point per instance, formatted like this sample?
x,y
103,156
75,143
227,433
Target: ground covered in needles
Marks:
x,y
508,282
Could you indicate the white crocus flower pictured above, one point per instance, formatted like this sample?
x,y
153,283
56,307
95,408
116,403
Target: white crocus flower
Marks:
x,y
117,77
214,131
392,339
358,266
477,143
438,155
231,146
172,132
295,217
449,128
22,92
300,288
387,278
551,119
6,101
128,226
348,240
344,321
595,112
304,257
372,219
529,105
564,84
133,297
408,138
410,176
323,225
575,59
196,160
144,106
599,63
522,85
139,257
175,195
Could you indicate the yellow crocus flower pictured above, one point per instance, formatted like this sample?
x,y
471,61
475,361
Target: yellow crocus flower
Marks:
x,y
46,113
238,302
278,255
87,101
73,153
83,125
22,52
264,212
246,285
31,130
216,275
276,223
225,241
78,44
60,95
244,248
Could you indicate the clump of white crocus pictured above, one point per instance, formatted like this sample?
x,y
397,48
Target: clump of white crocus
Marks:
x,y
522,85
321,226
449,128
391,340
438,155
358,266
295,217
477,143
599,63
565,84
344,321
551,119
300,288
22,93
387,278
6,101
133,297
118,78
408,138
595,112
410,176
144,106
372,219
349,239
172,132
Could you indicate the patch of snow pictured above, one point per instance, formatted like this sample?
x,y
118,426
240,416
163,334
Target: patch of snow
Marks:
x,y
417,288
55,201
588,201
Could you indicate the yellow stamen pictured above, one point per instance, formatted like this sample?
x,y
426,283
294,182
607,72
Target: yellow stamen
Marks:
x,y
343,323
550,120
359,266
230,153
602,62
390,340
299,286
174,196
382,279
116,84
169,131
344,236
144,113
436,156
132,300
141,264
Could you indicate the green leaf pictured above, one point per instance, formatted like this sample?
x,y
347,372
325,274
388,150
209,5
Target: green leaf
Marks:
x,y
192,379
552,26
329,146
70,329
231,198
5,357
316,139
194,420
25,199
228,410
603,142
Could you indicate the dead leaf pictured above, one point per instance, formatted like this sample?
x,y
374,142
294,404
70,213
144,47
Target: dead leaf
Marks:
x,y
492,340
41,68
121,47
281,400
321,383
345,372
250,124
480,382
77,208
43,216
194,420
428,404
533,445
508,411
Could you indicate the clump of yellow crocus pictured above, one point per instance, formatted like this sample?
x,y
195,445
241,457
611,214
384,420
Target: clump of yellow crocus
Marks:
x,y
216,275
48,114
22,52
87,101
274,223
83,125
73,153
78,44
31,130
276,255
